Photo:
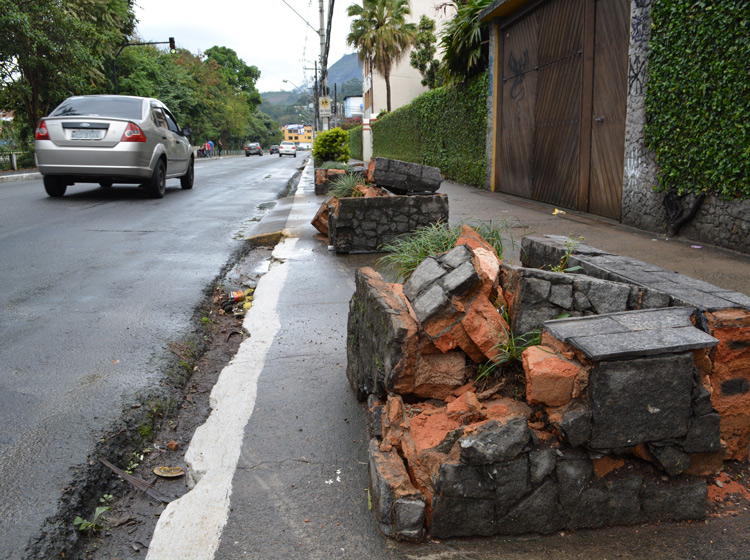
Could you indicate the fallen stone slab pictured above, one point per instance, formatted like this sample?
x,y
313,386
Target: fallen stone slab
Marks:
x,y
405,178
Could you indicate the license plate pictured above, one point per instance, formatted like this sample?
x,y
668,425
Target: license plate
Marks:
x,y
86,134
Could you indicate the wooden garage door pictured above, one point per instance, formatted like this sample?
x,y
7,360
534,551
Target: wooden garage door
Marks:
x,y
609,107
550,89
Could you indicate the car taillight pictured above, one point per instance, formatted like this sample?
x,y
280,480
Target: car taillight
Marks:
x,y
41,132
133,134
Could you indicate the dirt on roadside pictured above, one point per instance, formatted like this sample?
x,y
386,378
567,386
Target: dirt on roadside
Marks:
x,y
124,531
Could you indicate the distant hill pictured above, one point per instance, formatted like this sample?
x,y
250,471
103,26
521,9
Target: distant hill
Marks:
x,y
344,70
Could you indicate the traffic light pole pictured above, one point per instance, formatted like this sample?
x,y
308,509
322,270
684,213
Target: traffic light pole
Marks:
x,y
172,49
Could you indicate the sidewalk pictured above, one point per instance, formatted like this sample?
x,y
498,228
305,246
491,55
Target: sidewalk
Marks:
x,y
281,464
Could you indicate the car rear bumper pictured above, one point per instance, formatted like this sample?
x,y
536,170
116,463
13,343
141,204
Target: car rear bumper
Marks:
x,y
125,161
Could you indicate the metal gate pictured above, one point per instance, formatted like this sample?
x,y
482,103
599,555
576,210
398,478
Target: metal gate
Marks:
x,y
562,104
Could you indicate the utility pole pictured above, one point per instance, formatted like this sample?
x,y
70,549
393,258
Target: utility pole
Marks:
x,y
323,65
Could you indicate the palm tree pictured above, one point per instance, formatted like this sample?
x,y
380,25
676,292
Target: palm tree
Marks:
x,y
465,41
381,35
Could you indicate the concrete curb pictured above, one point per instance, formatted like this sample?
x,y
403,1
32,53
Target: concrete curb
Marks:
x,y
15,177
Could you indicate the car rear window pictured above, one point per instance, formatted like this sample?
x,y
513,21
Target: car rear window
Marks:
x,y
116,107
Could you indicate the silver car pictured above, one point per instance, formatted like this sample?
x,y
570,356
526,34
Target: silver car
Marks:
x,y
110,139
287,149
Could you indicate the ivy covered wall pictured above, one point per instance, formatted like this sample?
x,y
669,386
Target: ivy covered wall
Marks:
x,y
444,127
355,142
698,96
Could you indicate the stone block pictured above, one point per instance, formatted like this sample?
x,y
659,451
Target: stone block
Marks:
x,y
539,512
676,500
574,472
591,509
670,458
541,464
399,507
458,480
424,276
494,442
575,423
382,338
639,401
550,379
704,435
457,256
624,500
462,517
430,303
511,480
460,280
403,177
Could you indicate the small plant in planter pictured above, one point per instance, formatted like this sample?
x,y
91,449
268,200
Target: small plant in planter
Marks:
x,y
406,252
345,186
331,145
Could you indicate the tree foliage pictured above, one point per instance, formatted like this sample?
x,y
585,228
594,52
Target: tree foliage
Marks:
x,y
698,96
51,49
465,42
381,35
422,57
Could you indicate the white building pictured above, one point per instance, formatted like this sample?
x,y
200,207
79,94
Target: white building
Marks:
x,y
353,106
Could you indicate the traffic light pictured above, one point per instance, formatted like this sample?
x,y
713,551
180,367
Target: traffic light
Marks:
x,y
172,47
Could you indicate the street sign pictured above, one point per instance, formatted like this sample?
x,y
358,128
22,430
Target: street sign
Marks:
x,y
324,107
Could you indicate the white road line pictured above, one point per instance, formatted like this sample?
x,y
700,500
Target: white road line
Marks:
x,y
190,528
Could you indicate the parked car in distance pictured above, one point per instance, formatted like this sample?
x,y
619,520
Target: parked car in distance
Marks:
x,y
253,148
109,139
287,149
273,149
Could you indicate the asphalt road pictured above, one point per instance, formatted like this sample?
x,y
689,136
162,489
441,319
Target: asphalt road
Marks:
x,y
93,288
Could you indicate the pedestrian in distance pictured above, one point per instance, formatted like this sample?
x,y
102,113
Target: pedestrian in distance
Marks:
x,y
221,147
210,148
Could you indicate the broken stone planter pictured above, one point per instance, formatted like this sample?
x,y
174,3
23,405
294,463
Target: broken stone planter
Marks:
x,y
363,225
614,425
324,178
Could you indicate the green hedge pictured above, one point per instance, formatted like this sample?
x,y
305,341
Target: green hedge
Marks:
x,y
445,127
355,142
698,99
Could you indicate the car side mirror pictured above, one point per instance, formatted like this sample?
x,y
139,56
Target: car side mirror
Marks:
x,y
187,132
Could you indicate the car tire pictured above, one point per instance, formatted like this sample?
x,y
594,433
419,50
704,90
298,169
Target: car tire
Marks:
x,y
247,155
157,185
186,181
279,155
106,184
295,155
55,186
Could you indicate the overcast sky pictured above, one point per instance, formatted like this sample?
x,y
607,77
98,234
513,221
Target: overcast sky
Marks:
x,y
263,33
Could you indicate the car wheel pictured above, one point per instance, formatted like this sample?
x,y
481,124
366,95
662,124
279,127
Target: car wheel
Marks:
x,y
186,181
55,186
105,184
247,155
157,185
279,155
295,155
